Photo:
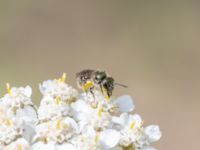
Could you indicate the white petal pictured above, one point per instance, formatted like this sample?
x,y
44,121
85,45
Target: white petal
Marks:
x,y
28,91
1,147
89,131
65,147
153,133
80,110
136,119
109,138
27,114
28,132
122,120
125,103
117,120
22,142
72,123
42,146
80,106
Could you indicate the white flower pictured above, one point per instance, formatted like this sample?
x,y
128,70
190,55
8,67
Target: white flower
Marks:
x,y
28,114
128,121
84,142
18,104
97,98
19,144
65,146
20,112
44,146
109,138
105,140
57,131
52,108
52,146
90,118
153,133
66,119
9,131
94,98
13,128
17,97
124,103
55,88
129,127
81,111
28,131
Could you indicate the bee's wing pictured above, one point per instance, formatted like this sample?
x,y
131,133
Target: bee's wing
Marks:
x,y
124,103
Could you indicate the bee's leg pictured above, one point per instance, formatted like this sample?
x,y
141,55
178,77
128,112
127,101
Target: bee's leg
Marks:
x,y
104,92
94,103
91,91
86,91
108,94
101,87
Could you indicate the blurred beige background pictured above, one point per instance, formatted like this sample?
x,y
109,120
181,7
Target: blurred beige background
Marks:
x,y
152,46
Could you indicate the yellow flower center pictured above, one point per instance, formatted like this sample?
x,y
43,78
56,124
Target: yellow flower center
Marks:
x,y
19,147
8,122
65,126
96,138
141,124
58,100
58,124
63,78
132,125
8,88
100,111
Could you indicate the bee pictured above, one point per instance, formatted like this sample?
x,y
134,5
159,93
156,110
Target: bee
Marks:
x,y
89,79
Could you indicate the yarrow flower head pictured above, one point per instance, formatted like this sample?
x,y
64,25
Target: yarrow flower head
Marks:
x,y
18,100
18,117
58,131
57,88
57,98
67,119
13,132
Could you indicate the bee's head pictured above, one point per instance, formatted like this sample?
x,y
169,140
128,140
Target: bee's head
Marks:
x,y
99,76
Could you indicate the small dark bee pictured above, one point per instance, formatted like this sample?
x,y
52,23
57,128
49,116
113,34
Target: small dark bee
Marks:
x,y
89,79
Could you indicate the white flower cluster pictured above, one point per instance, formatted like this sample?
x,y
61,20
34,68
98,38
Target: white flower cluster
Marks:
x,y
67,120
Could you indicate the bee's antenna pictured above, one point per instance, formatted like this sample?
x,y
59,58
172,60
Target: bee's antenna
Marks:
x,y
122,85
